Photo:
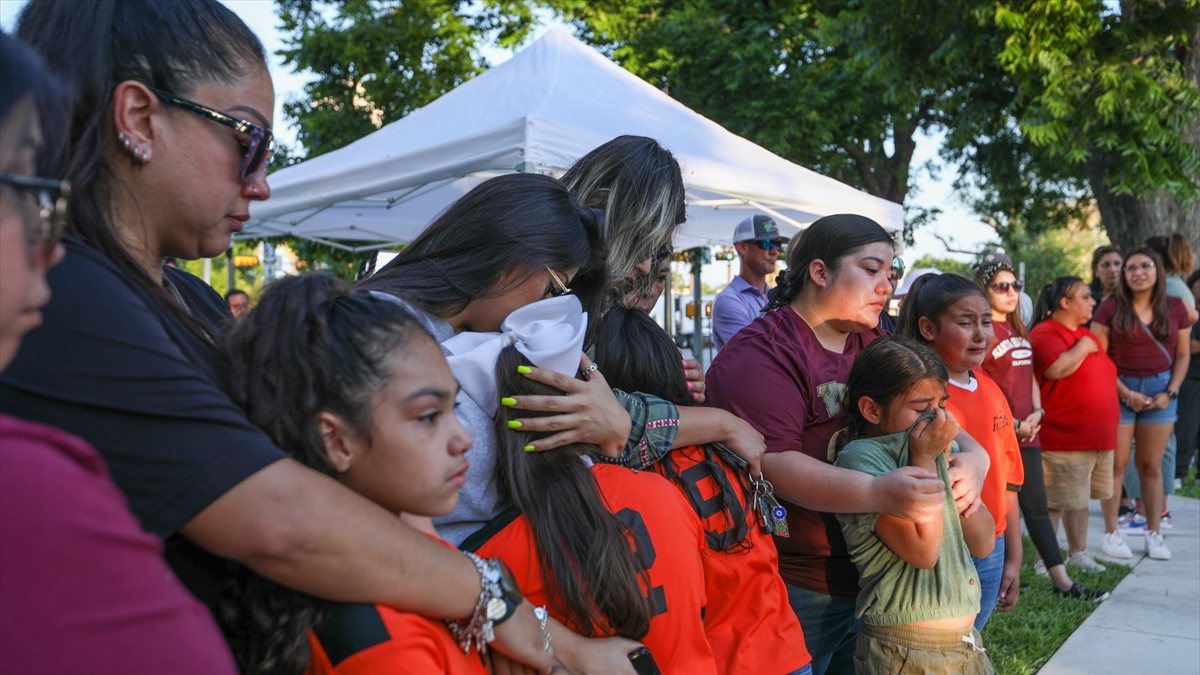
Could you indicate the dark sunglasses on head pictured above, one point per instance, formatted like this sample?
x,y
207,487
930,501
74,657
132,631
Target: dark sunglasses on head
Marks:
x,y
768,244
1003,286
52,197
256,151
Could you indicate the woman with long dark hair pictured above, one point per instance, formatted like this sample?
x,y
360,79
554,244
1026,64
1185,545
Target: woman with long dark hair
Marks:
x,y
71,547
169,142
565,526
747,619
785,373
1106,272
1080,433
1009,362
1145,333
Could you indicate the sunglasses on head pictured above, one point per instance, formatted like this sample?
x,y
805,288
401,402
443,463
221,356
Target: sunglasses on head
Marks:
x,y
52,197
768,244
1003,286
256,151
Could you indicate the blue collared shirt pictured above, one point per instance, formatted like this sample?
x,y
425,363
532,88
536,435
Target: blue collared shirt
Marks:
x,y
734,308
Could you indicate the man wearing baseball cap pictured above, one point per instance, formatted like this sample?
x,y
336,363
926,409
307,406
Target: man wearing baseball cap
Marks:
x,y
759,244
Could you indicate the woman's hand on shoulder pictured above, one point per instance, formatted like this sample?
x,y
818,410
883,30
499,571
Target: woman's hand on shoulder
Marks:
x,y
911,493
586,412
967,472
694,374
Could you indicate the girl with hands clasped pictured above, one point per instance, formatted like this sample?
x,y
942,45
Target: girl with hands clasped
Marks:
x,y
952,314
920,591
1146,334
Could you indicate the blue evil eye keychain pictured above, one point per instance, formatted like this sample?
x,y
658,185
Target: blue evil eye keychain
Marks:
x,y
772,517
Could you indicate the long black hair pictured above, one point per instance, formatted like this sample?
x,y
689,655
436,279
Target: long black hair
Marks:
x,y
25,75
885,370
514,222
1097,286
637,355
584,549
173,45
929,297
1125,321
311,344
829,239
1050,295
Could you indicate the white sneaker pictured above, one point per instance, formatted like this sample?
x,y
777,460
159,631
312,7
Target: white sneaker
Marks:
x,y
1155,547
1114,546
1039,568
1085,562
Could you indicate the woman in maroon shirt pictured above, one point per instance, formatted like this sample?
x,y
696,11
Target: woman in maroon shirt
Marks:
x,y
1145,333
1010,363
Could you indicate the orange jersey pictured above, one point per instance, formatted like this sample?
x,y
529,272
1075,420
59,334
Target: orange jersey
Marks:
x,y
984,414
668,539
360,639
749,623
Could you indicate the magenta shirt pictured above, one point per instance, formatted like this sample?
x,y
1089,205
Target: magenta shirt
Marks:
x,y
82,588
1010,365
777,376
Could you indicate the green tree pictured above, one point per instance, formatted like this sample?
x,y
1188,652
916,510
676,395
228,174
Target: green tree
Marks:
x,y
373,62
944,265
1113,96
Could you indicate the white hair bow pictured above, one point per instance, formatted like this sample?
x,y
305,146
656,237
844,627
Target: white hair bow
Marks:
x,y
548,332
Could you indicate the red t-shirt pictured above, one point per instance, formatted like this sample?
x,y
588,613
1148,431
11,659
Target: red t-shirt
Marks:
x,y
749,623
1082,411
1010,365
984,414
1139,355
777,376
376,640
82,588
668,539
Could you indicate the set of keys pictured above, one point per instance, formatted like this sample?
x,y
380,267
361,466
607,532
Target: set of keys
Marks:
x,y
772,517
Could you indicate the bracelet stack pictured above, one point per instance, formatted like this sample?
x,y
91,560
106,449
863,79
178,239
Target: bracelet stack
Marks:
x,y
479,630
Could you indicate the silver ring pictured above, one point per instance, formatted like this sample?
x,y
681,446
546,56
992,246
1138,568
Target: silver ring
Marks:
x,y
587,372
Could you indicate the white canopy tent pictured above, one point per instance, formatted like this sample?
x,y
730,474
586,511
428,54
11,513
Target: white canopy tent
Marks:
x,y
538,112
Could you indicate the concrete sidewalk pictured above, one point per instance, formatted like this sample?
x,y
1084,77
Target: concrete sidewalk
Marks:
x,y
1151,624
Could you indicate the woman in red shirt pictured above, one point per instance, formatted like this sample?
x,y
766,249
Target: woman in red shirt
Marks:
x,y
1145,333
1080,432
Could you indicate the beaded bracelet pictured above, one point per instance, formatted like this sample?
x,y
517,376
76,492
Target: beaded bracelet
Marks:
x,y
478,630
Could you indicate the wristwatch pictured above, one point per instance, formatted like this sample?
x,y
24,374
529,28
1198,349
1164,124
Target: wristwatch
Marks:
x,y
505,596
1172,394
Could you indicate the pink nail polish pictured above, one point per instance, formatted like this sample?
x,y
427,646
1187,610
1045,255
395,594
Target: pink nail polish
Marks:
x,y
689,386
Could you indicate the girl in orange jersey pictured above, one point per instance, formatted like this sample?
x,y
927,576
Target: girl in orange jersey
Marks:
x,y
355,388
610,551
748,621
953,315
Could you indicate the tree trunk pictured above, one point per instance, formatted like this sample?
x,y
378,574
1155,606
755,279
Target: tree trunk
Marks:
x,y
1129,220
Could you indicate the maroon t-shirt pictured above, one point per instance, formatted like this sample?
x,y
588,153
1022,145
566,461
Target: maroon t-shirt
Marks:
x,y
82,588
777,376
1082,411
1010,365
1138,355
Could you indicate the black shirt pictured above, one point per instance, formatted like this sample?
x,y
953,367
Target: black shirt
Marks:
x,y
111,365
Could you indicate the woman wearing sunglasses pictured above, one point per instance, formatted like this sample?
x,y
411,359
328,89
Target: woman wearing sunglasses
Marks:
x,y
170,135
1009,362
71,547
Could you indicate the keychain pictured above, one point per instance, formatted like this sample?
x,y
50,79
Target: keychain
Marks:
x,y
771,514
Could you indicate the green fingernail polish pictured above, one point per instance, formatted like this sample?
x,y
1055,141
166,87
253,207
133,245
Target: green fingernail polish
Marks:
x,y
529,448
514,424
524,370
508,401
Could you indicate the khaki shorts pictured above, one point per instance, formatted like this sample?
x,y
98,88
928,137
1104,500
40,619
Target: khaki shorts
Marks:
x,y
1075,476
889,650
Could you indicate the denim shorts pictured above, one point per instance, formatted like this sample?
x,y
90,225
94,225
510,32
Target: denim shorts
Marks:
x,y
1149,385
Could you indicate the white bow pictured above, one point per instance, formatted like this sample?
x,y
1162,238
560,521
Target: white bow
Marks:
x,y
548,332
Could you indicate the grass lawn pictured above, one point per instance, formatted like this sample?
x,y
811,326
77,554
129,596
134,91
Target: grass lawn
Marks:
x,y
1190,488
1021,641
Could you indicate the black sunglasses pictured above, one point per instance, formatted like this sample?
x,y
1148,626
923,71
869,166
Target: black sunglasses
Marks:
x,y
255,153
663,252
52,197
897,268
1003,286
768,244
